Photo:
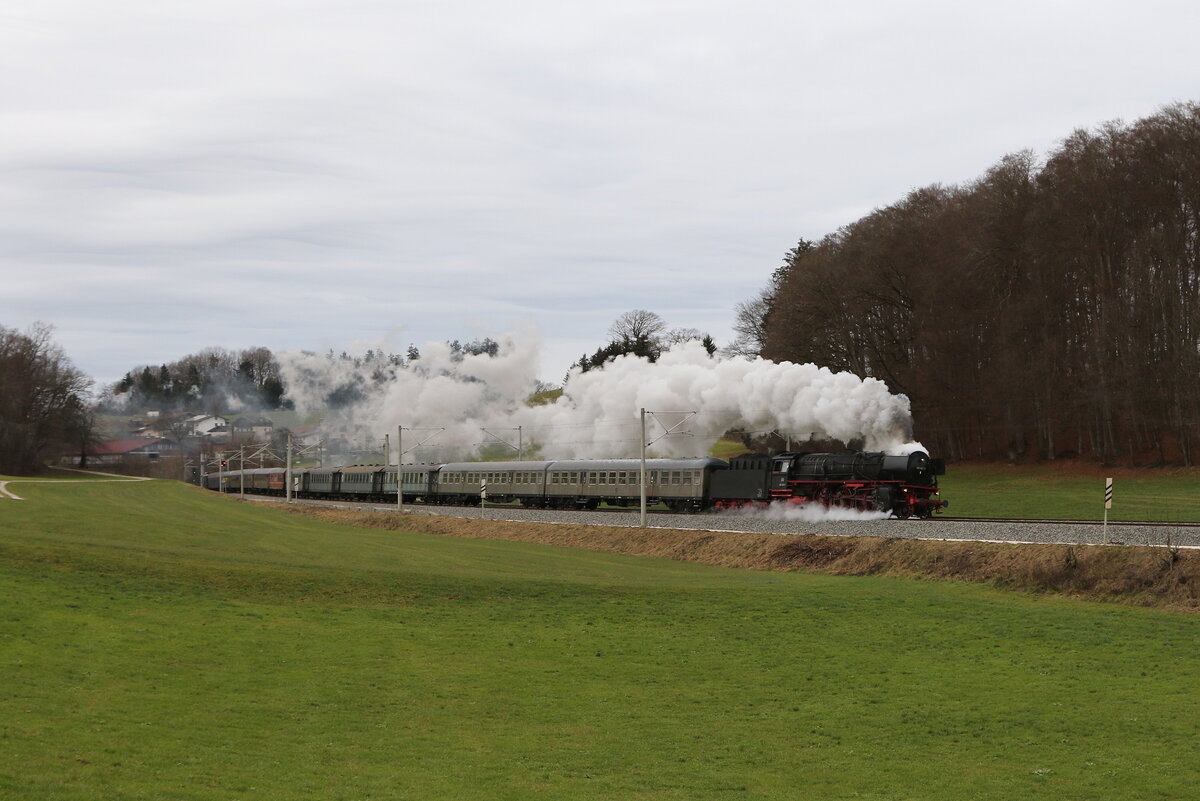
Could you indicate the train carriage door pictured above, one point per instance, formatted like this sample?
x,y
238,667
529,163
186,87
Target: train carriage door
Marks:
x,y
779,473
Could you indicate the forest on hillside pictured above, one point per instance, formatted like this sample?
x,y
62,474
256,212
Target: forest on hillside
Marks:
x,y
1044,310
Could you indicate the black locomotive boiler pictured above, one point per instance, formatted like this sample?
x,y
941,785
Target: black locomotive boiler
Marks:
x,y
904,486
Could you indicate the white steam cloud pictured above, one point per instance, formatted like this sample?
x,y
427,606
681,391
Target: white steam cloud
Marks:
x,y
597,415
805,513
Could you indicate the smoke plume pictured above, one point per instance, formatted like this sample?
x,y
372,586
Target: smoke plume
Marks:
x,y
479,399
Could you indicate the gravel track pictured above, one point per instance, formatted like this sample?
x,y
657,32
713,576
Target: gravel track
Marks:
x,y
934,529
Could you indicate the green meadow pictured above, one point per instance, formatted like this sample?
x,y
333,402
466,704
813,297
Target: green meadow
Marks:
x,y
1069,492
157,641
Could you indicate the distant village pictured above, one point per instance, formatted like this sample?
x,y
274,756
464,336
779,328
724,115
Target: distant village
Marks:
x,y
154,435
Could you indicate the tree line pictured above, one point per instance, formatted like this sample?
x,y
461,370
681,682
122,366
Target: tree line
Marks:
x,y
208,380
43,400
1043,310
213,379
639,332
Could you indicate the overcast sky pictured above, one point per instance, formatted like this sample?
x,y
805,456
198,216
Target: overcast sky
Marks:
x,y
312,174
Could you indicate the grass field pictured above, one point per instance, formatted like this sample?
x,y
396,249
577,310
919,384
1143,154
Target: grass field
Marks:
x,y
1071,491
159,642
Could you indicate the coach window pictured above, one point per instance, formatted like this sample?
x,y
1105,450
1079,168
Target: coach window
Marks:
x,y
687,476
674,478
621,477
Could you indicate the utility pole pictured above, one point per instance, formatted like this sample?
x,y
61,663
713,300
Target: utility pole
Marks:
x,y
669,430
287,479
242,471
642,475
400,459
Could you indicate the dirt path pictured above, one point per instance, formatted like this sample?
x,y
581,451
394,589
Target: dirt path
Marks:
x,y
5,492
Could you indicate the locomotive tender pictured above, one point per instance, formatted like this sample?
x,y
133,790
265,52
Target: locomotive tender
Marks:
x,y
903,486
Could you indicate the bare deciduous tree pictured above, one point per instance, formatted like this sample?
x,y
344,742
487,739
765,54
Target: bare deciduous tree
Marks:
x,y
637,324
43,399
1047,311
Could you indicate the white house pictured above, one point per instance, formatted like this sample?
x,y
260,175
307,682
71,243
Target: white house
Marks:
x,y
201,425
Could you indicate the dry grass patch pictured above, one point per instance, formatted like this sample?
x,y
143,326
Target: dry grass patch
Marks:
x,y
1158,577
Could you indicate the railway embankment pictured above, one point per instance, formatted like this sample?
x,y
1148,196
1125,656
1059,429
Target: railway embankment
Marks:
x,y
1164,577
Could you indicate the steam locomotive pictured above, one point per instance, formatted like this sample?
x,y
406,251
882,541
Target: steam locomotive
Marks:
x,y
904,486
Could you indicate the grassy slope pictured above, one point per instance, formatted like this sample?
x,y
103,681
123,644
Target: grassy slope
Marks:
x,y
156,641
1071,491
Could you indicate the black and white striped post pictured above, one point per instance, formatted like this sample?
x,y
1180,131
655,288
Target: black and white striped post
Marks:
x,y
1108,493
482,498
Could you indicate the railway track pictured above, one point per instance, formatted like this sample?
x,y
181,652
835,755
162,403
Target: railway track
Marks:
x,y
1063,532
